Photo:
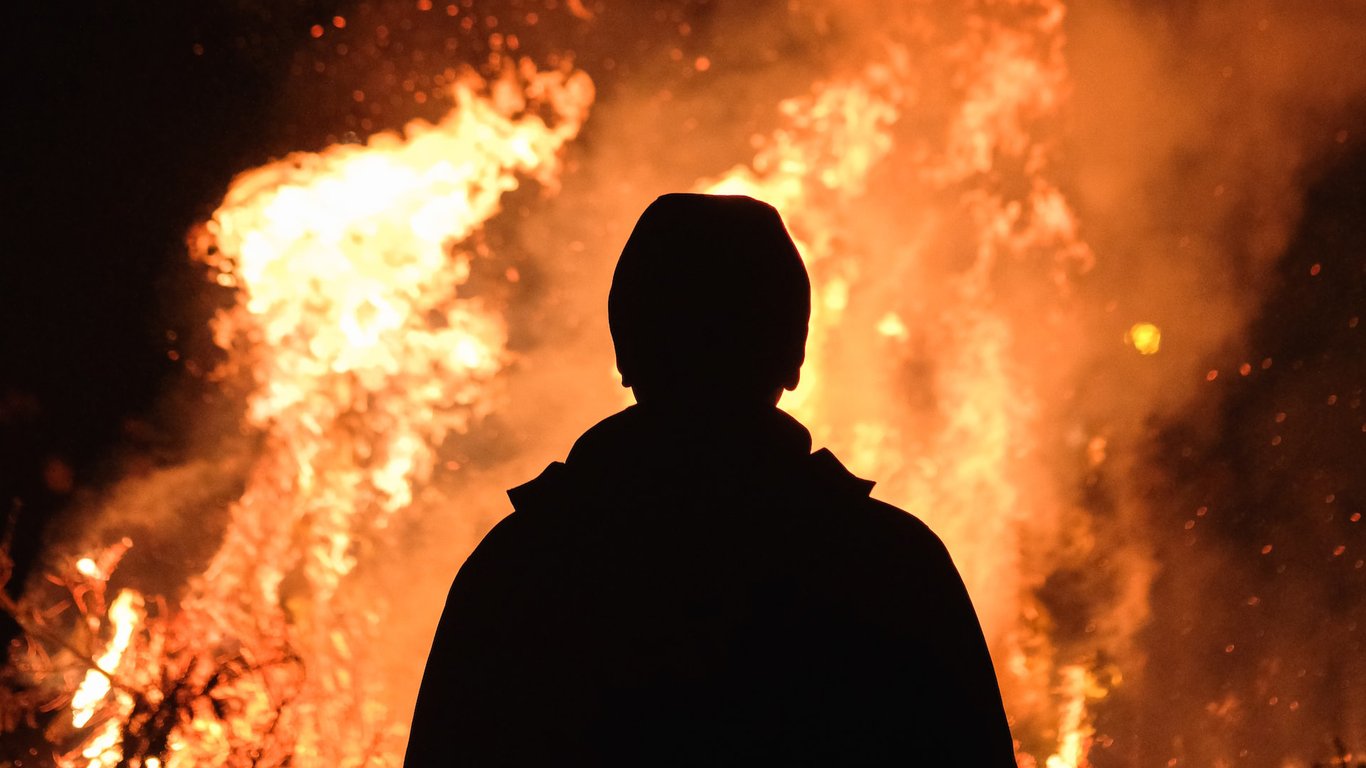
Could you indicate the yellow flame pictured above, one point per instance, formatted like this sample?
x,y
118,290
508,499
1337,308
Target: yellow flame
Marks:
x,y
364,353
103,749
1075,729
351,317
125,613
963,458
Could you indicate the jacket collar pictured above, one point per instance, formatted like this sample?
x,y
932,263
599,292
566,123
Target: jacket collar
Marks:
x,y
641,448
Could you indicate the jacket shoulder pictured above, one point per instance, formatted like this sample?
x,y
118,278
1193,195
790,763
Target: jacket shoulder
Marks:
x,y
545,489
831,474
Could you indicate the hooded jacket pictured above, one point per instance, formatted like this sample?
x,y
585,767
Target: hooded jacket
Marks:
x,y
707,591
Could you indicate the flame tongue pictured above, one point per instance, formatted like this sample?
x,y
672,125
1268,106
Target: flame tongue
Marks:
x,y
349,314
362,355
963,460
125,614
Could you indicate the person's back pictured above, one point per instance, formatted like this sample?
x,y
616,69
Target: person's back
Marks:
x,y
693,586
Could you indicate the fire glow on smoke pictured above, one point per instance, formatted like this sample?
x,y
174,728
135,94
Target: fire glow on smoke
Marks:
x,y
944,257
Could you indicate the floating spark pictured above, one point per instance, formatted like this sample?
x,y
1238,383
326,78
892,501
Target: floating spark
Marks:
x,y
1145,337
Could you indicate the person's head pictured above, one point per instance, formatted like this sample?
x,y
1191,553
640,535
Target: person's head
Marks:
x,y
709,302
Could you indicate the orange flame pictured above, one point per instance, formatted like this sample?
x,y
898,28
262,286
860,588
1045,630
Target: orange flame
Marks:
x,y
125,614
363,353
969,468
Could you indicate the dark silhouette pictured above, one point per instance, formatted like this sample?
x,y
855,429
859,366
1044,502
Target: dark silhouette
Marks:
x,y
693,586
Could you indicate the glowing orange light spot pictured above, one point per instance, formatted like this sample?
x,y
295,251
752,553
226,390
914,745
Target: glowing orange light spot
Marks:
x,y
1095,451
1212,375
1144,337
424,5
577,8
702,64
1266,550
316,30
893,327
1315,270
339,22
1245,369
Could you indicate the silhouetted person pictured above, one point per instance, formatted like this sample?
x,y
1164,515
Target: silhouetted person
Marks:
x,y
693,586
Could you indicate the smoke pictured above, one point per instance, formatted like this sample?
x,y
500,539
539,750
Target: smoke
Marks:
x,y
1196,131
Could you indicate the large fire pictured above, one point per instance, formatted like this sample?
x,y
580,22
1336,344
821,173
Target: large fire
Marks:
x,y
362,355
944,255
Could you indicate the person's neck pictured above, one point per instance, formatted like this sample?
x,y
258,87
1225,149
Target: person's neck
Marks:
x,y
702,400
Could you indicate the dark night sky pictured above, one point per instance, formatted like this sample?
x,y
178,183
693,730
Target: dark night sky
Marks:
x,y
124,122
119,136
120,139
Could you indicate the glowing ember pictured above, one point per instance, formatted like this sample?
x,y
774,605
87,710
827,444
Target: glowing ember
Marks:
x,y
1145,337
